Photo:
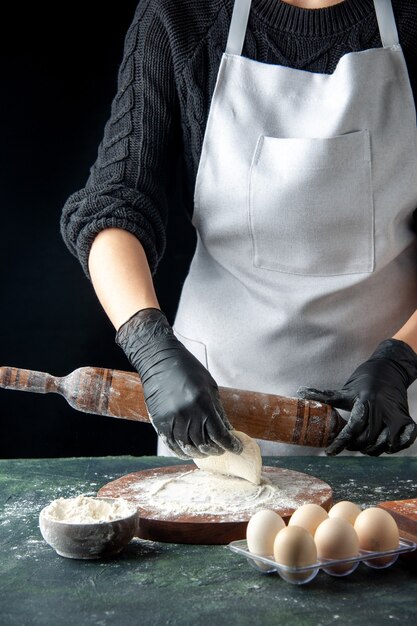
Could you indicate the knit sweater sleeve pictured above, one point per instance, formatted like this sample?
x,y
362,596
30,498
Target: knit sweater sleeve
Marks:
x,y
129,182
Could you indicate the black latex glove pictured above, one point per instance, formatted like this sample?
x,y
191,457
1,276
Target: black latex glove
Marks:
x,y
181,396
376,395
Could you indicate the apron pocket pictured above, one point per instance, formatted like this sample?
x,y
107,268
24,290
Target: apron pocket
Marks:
x,y
311,206
197,348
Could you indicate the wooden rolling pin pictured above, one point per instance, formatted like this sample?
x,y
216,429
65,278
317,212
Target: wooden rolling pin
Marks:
x,y
119,394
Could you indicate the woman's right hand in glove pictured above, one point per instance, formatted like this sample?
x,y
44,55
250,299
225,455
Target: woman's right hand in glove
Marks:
x,y
181,396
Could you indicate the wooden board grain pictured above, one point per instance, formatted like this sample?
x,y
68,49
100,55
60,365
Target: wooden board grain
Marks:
x,y
204,528
405,514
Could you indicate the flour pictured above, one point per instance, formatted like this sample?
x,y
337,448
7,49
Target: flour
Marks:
x,y
86,510
199,493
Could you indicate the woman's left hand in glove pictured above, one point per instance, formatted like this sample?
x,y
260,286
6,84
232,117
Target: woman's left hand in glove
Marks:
x,y
376,396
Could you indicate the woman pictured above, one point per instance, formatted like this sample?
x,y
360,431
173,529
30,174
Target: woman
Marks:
x,y
299,158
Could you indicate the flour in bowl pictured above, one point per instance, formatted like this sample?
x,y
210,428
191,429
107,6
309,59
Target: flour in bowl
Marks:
x,y
86,510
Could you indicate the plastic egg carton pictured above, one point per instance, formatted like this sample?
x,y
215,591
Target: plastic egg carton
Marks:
x,y
336,567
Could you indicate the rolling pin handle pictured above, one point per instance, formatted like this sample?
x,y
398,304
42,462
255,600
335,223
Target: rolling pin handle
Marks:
x,y
27,380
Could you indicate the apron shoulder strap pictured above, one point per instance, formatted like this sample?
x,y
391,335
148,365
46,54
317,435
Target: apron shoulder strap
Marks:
x,y
386,22
238,25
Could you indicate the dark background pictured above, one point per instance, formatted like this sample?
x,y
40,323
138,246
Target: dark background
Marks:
x,y
58,78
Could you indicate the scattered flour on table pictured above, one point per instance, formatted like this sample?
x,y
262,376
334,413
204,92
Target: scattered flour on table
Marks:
x,y
86,510
197,492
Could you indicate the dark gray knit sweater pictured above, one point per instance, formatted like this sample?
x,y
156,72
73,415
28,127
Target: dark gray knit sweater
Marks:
x,y
152,142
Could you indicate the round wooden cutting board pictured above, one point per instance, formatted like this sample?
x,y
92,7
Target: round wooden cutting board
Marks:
x,y
206,528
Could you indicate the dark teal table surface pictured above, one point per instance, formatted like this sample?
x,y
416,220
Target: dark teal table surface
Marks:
x,y
156,583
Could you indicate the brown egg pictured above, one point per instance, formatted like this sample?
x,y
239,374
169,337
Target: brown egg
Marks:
x,y
294,546
346,510
308,516
335,538
261,531
377,531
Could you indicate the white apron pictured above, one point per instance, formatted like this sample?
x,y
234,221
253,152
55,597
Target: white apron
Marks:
x,y
305,258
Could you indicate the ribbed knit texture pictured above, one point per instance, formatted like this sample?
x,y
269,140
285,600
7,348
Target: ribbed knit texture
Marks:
x,y
152,142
